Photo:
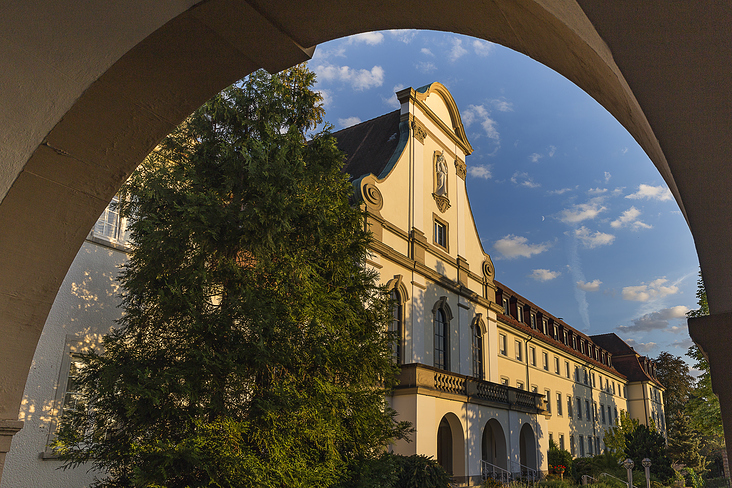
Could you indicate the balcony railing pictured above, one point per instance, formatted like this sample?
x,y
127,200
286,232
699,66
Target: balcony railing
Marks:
x,y
427,380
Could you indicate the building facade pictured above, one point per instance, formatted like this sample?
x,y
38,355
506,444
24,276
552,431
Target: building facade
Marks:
x,y
488,378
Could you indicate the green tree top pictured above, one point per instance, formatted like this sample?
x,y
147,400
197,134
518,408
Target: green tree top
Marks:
x,y
252,349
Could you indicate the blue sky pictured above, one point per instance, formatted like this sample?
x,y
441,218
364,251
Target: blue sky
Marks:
x,y
574,214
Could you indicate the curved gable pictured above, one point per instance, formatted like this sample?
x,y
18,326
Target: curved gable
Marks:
x,y
437,99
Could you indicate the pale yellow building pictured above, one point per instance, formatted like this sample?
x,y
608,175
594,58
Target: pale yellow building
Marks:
x,y
488,378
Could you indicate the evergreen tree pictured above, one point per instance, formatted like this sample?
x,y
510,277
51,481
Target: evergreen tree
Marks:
x,y
684,444
252,349
647,442
673,373
615,436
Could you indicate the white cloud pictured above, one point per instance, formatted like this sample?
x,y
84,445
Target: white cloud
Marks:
x,y
403,35
512,247
359,79
656,320
502,105
561,191
426,51
590,240
482,48
371,38
618,191
522,178
535,157
392,100
348,122
629,218
327,98
478,113
607,176
649,192
593,285
544,274
642,347
582,211
457,50
425,67
480,171
624,150
653,290
552,150
596,191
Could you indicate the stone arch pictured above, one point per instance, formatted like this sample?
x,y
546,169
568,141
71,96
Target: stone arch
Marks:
x,y
493,444
528,454
398,283
451,445
113,100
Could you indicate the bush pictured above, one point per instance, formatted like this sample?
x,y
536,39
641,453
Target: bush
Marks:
x,y
396,471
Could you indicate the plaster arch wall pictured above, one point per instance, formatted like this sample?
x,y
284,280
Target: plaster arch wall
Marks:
x,y
89,89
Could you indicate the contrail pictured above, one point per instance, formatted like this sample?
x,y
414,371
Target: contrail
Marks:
x,y
575,269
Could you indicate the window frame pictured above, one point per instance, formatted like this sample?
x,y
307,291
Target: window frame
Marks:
x,y
441,307
438,223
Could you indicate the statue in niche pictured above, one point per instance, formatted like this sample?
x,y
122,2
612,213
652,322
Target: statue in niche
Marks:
x,y
441,176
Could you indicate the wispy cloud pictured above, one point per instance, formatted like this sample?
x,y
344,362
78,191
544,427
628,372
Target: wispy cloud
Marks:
x,y
561,191
482,48
359,79
522,178
648,192
479,114
425,66
426,51
480,171
535,157
544,274
502,105
596,191
629,218
512,247
607,176
591,240
371,38
649,291
656,320
552,150
642,347
403,35
348,122
593,285
457,50
392,100
582,211
327,98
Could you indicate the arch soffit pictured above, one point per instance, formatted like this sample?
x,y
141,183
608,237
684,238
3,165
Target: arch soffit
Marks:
x,y
480,323
455,424
442,304
398,283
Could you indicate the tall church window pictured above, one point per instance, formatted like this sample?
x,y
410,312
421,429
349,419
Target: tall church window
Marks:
x,y
441,339
477,350
396,326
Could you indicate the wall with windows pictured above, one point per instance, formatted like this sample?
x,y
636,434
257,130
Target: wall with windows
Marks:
x,y
85,308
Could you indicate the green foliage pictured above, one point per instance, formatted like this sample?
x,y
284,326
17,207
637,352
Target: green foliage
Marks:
x,y
251,351
673,373
559,457
683,444
615,436
555,483
646,442
420,471
492,483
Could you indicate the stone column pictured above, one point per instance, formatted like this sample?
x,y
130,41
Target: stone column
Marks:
x,y
713,334
8,428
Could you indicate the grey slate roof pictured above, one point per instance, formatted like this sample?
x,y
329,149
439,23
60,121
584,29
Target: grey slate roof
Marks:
x,y
369,145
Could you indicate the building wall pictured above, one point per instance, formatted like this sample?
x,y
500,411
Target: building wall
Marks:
x,y
85,308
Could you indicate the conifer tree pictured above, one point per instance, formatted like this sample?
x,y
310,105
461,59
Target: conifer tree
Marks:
x,y
252,349
684,445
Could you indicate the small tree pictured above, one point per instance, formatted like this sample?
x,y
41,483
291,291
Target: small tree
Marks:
x,y
615,437
684,445
559,457
252,349
647,442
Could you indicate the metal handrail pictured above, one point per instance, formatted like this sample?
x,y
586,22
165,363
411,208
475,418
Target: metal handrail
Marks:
x,y
532,475
488,470
623,482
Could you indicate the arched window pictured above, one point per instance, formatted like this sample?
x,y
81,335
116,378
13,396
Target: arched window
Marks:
x,y
396,326
477,350
442,315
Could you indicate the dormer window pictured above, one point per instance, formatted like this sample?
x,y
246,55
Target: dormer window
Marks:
x,y
533,321
505,307
519,313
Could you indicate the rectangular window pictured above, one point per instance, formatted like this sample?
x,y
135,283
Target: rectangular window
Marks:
x,y
545,360
571,445
548,395
551,436
582,446
587,378
559,404
519,313
566,340
625,393
569,406
543,327
576,374
602,413
574,343
519,385
440,234
579,408
566,369
519,351
504,381
533,321
532,353
593,381
502,344
556,365
505,307
110,225
587,410
534,389
589,445
597,445
561,441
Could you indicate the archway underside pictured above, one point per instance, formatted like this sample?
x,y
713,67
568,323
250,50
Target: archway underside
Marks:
x,y
81,115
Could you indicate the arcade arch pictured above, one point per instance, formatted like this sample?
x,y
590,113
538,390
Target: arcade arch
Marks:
x,y
451,445
493,445
528,448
